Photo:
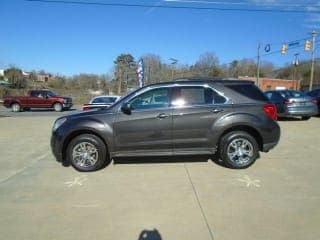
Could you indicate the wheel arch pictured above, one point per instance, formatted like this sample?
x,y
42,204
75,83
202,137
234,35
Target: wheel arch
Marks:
x,y
17,102
248,129
78,133
52,105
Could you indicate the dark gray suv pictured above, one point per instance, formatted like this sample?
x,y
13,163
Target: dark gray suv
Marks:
x,y
231,119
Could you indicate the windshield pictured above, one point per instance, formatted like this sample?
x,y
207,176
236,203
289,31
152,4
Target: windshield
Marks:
x,y
51,93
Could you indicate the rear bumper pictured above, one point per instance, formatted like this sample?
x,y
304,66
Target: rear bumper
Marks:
x,y
301,111
268,146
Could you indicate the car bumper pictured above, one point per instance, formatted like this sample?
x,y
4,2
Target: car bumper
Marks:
x,y
56,146
268,146
67,105
302,111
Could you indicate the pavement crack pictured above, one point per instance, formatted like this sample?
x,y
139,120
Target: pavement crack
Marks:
x,y
199,203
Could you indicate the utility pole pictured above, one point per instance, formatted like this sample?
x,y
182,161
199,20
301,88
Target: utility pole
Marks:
x,y
258,64
314,36
120,79
295,64
173,64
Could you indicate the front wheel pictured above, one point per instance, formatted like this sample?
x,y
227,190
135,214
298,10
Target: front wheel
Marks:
x,y
238,149
57,107
87,152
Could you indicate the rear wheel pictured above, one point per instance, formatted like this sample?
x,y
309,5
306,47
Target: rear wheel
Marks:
x,y
87,152
238,149
57,107
16,107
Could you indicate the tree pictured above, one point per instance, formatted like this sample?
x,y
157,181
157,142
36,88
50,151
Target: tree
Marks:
x,y
124,70
207,65
15,77
57,82
152,68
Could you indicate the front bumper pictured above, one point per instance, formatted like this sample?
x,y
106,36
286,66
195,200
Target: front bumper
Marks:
x,y
56,146
67,105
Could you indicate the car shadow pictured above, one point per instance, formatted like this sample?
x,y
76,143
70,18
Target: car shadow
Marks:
x,y
289,119
48,110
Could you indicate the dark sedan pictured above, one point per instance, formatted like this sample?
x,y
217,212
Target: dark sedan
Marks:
x,y
291,103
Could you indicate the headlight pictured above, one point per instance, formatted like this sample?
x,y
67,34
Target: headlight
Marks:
x,y
58,123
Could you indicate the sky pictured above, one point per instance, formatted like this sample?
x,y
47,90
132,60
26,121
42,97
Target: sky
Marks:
x,y
68,39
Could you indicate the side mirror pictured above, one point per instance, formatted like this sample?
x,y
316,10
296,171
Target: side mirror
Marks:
x,y
126,109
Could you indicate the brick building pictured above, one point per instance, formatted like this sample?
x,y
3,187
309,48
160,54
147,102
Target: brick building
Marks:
x,y
272,83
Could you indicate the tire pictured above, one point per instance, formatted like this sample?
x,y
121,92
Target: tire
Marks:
x,y
58,107
16,107
238,150
87,153
305,118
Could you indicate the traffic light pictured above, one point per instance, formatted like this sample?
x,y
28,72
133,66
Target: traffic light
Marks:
x,y
284,49
307,46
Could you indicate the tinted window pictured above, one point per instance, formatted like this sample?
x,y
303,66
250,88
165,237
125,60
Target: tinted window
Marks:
x,y
248,90
157,98
275,97
34,94
188,96
292,94
104,100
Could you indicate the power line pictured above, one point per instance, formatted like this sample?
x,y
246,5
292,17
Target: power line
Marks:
x,y
173,7
264,4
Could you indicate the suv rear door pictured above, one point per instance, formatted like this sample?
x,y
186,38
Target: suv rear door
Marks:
x,y
196,108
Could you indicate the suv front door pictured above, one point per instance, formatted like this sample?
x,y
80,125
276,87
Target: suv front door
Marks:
x,y
147,130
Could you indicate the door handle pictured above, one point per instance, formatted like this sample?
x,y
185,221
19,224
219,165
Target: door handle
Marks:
x,y
217,110
162,116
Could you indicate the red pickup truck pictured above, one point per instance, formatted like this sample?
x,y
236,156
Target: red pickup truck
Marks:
x,y
38,99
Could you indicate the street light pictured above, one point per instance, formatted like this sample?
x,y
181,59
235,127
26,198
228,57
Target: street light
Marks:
x,y
295,64
173,63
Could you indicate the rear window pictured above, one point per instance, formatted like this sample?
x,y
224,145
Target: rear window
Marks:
x,y
292,94
249,91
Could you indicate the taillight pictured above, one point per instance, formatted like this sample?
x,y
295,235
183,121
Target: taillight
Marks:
x,y
315,101
271,111
85,108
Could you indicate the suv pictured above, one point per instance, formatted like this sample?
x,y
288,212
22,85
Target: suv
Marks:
x,y
230,118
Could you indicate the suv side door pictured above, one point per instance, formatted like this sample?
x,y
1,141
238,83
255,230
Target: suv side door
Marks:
x,y
196,108
147,130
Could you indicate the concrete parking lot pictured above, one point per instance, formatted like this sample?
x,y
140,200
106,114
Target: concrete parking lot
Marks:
x,y
277,198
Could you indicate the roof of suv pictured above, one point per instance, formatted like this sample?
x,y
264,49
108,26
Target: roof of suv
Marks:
x,y
205,80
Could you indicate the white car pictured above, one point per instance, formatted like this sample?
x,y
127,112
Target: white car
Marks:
x,y
101,102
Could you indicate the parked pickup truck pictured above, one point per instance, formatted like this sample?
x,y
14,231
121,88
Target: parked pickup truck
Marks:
x,y
38,99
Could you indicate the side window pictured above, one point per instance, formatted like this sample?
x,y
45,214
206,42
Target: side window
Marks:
x,y
157,98
188,96
276,97
269,95
34,94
